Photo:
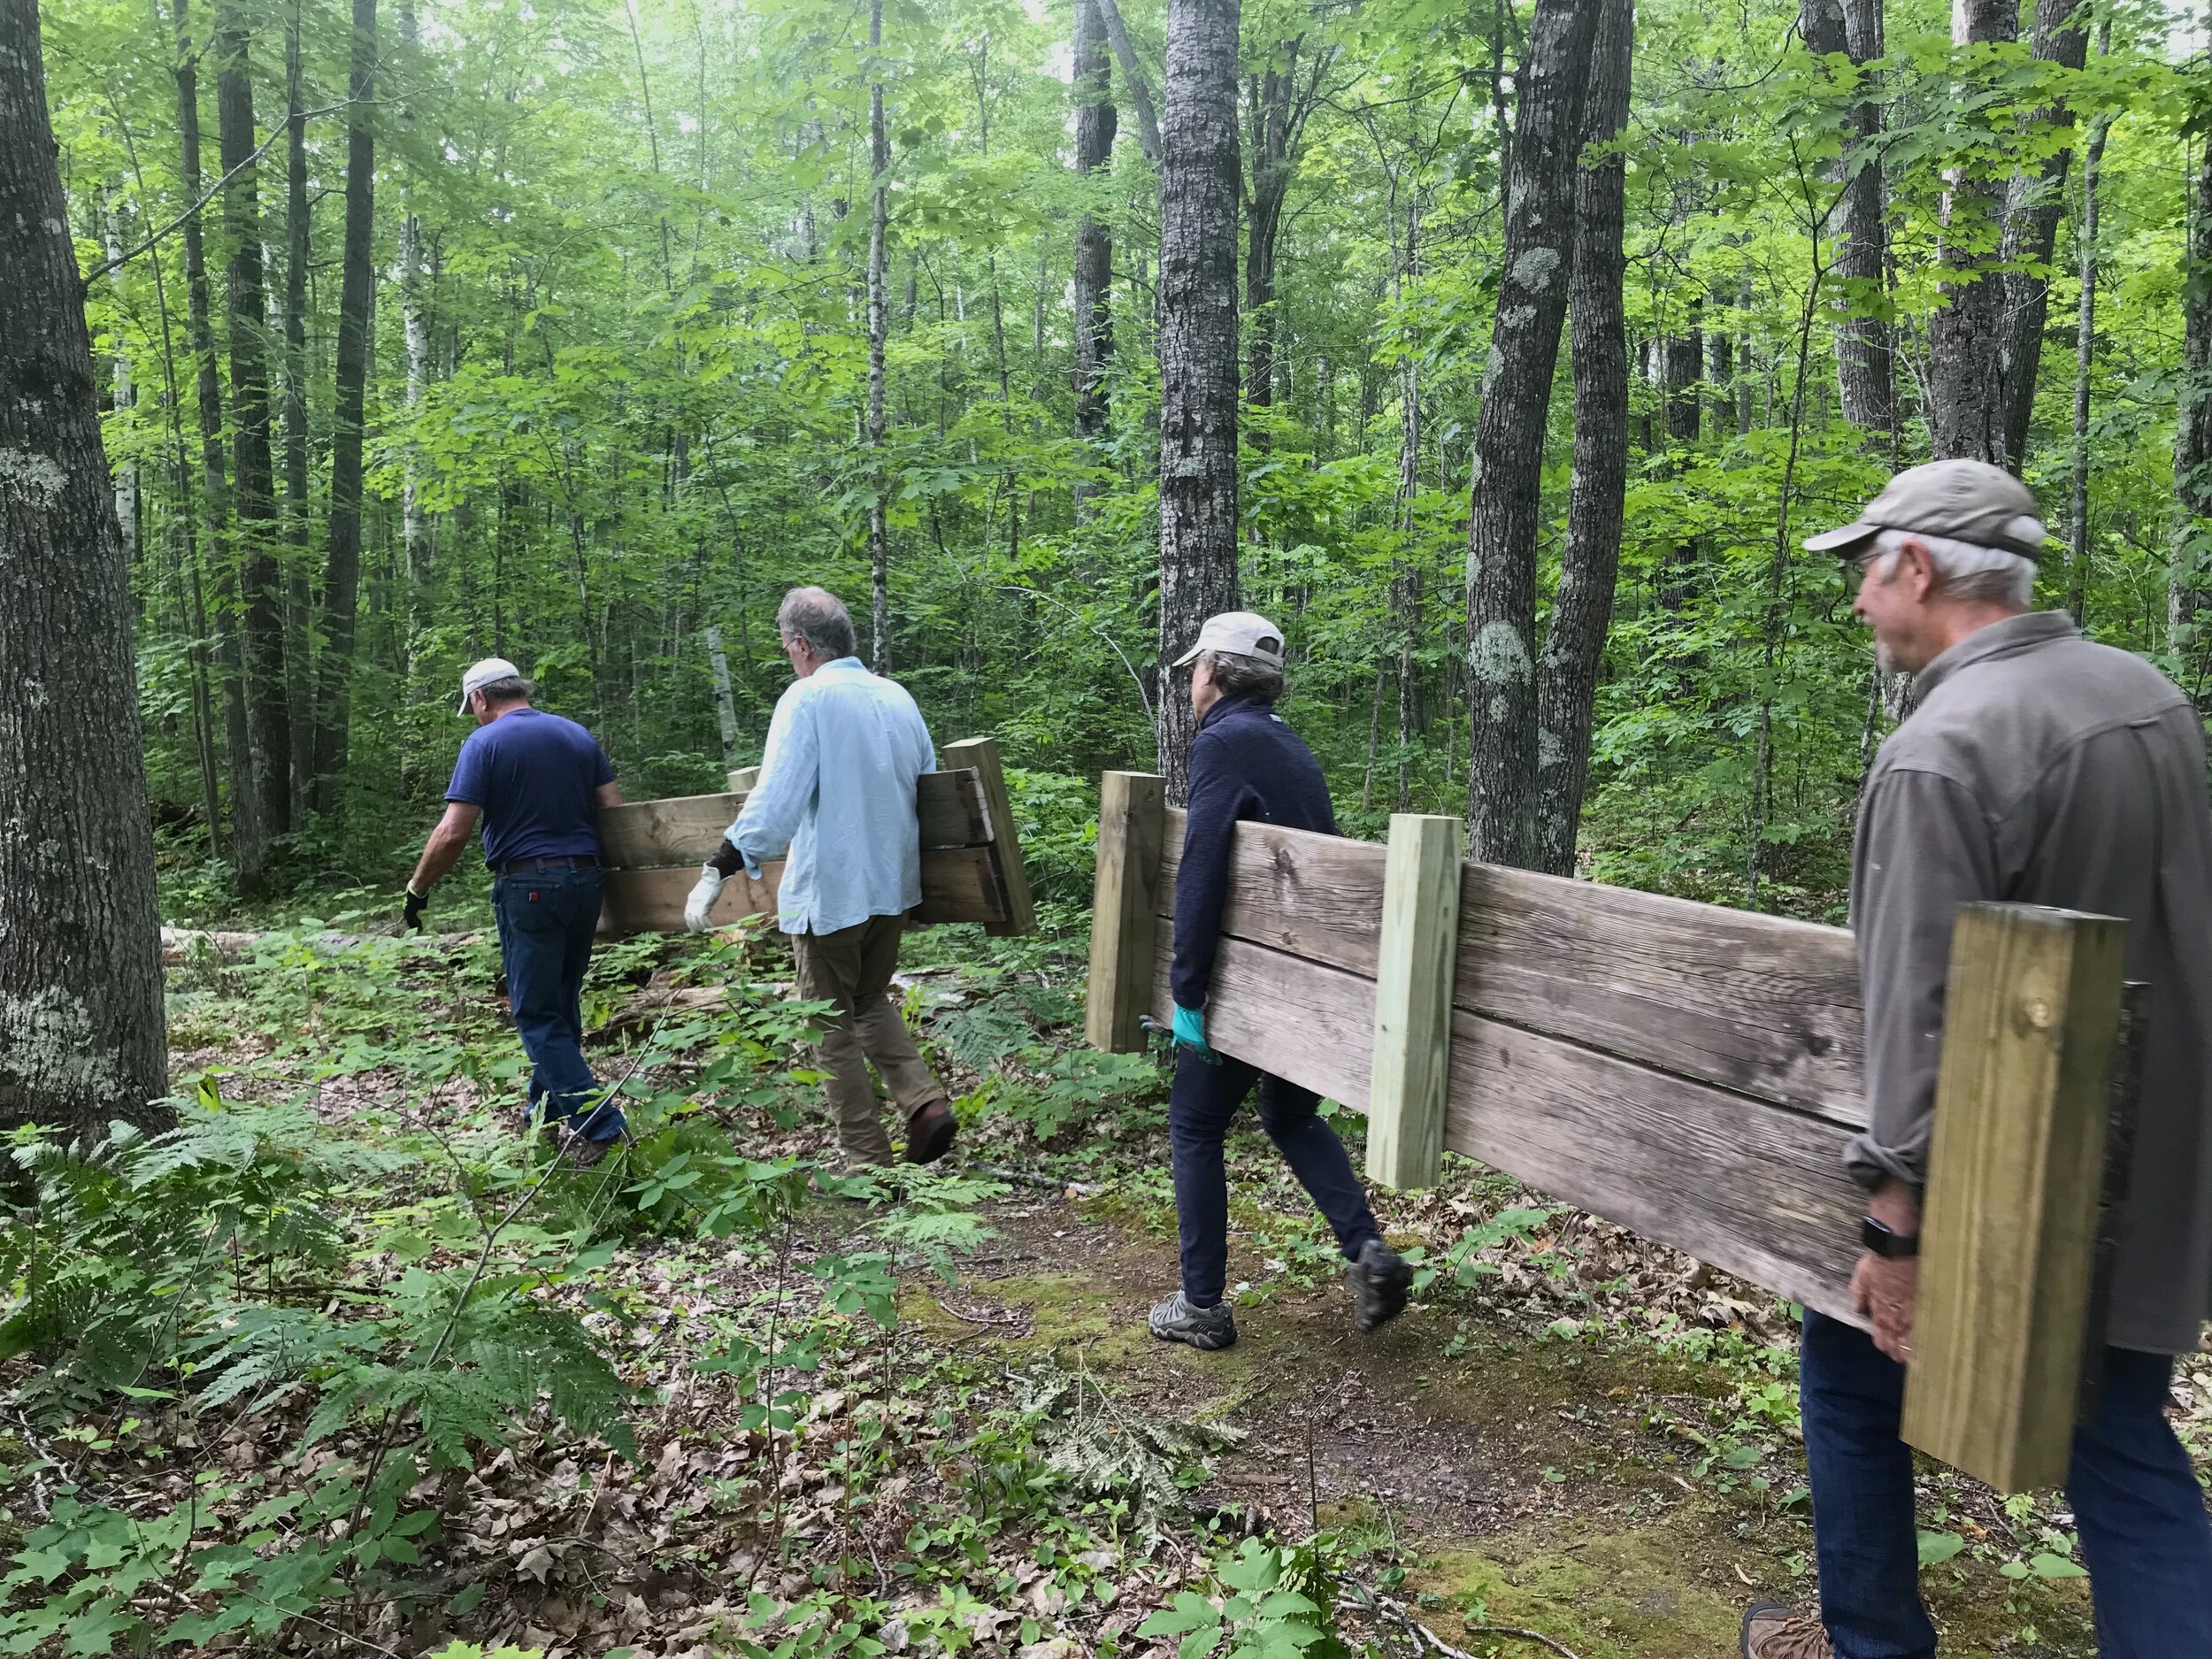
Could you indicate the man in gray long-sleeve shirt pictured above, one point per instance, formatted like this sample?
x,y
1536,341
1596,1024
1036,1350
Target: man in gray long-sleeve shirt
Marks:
x,y
2036,767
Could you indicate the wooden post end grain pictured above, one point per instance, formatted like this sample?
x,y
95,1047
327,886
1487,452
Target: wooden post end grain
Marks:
x,y
2016,1172
1132,828
1413,1001
982,754
742,780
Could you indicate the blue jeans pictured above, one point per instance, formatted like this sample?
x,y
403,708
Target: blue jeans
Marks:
x,y
546,921
1204,1099
2145,1536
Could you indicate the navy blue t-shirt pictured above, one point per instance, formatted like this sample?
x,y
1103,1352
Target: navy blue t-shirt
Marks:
x,y
535,775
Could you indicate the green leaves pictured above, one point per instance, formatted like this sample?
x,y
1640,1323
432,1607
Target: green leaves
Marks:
x,y
1255,1618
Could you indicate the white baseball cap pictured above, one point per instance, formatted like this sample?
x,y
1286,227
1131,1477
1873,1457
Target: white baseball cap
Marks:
x,y
1238,633
491,669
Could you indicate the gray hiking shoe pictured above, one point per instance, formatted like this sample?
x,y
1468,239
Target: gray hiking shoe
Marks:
x,y
1380,1280
1771,1630
1175,1320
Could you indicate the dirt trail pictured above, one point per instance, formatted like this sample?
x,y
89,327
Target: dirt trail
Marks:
x,y
1548,1481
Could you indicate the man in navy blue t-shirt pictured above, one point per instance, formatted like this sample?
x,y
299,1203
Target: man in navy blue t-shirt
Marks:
x,y
538,783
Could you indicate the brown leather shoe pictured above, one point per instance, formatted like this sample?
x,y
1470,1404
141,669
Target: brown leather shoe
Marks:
x,y
930,1131
1771,1630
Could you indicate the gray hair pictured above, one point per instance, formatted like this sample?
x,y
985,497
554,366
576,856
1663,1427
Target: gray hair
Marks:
x,y
820,618
1967,572
1236,675
514,689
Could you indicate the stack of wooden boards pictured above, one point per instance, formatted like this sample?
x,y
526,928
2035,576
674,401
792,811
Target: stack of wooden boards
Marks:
x,y
1687,1070
972,861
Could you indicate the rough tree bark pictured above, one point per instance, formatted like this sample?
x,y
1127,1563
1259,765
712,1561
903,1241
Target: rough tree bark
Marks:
x,y
2190,592
879,317
1967,394
1509,450
1095,121
1277,113
1864,344
268,708
2033,207
1133,79
2084,360
1200,177
82,1038
1582,611
299,601
357,297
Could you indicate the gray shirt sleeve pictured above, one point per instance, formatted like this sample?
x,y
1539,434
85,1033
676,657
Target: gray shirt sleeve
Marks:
x,y
1924,848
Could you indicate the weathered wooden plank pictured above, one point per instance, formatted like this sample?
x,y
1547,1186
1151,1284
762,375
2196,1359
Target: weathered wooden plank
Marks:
x,y
980,755
1754,1189
648,834
1413,1002
742,780
1298,1020
1762,1004
959,884
1132,817
1751,1187
2015,1173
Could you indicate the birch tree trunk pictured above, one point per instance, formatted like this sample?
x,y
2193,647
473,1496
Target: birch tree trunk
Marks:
x,y
1509,450
1095,122
342,576
1582,611
81,1034
1966,393
1200,177
878,529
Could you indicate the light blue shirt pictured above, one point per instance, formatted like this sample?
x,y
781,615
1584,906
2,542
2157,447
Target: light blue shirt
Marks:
x,y
836,790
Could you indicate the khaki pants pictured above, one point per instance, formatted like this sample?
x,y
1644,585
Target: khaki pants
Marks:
x,y
852,969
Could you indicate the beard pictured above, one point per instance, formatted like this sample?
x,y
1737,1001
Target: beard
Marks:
x,y
1884,658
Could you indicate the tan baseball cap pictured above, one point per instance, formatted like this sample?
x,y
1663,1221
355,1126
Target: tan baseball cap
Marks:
x,y
1237,633
1967,501
491,669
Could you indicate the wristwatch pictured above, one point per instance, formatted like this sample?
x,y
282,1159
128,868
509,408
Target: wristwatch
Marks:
x,y
1883,1242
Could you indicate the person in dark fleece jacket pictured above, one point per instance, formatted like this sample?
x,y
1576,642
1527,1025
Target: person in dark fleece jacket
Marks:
x,y
1246,764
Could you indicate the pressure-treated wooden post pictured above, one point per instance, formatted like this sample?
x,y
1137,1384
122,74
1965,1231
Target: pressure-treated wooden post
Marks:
x,y
742,779
1124,906
1413,1001
2016,1172
982,754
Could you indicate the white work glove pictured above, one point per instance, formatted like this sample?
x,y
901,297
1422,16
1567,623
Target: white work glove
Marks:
x,y
698,909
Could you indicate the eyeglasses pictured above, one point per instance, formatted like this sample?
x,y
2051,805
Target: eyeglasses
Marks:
x,y
1855,570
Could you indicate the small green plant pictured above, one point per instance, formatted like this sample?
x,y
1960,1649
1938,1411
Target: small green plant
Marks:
x,y
1263,1610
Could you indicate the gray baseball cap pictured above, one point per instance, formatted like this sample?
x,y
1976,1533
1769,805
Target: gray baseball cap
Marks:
x,y
1237,633
1967,501
491,669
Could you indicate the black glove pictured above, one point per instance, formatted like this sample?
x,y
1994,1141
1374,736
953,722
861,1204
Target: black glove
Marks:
x,y
411,916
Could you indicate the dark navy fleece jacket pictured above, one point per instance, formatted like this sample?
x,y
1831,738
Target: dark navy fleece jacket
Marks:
x,y
1244,764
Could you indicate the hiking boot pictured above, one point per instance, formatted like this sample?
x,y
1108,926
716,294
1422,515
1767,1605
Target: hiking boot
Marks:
x,y
930,1131
584,1153
1380,1280
1175,1320
1771,1630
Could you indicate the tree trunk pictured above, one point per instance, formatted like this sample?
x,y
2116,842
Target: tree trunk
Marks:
x,y
1582,611
356,296
1133,79
2085,361
2190,593
415,326
1508,451
122,395
81,1037
725,707
268,710
2031,214
1967,394
1864,342
1095,122
1200,178
299,601
878,316
1405,587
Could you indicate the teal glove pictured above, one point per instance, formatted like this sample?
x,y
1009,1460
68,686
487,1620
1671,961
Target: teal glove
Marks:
x,y
1190,1032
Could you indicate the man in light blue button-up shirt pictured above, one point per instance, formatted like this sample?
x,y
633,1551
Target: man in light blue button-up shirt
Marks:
x,y
835,799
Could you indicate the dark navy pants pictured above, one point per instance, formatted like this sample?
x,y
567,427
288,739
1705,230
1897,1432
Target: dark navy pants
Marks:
x,y
546,921
2145,1536
1204,1100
